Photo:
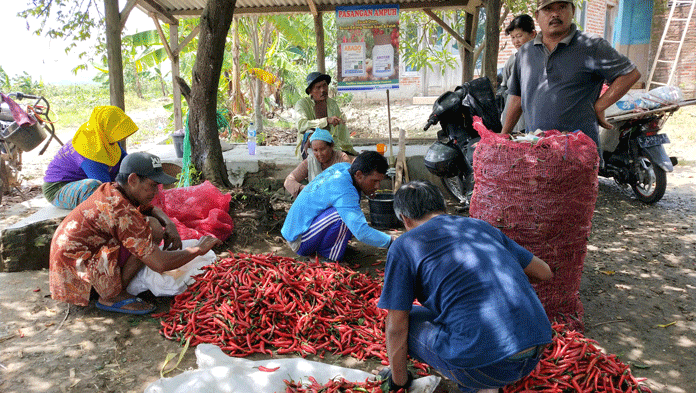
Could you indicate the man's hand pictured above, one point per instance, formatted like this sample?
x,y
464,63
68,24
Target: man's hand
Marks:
x,y
602,120
206,243
513,113
172,240
334,120
389,385
618,88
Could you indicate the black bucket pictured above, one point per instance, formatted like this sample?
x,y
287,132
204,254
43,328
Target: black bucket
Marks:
x,y
178,144
382,211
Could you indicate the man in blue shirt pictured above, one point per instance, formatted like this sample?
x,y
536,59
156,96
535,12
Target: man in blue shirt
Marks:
x,y
557,77
326,213
480,324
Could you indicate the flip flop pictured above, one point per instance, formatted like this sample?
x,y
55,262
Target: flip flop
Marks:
x,y
118,307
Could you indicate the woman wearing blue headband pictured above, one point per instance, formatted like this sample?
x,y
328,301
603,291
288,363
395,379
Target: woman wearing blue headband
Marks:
x,y
323,156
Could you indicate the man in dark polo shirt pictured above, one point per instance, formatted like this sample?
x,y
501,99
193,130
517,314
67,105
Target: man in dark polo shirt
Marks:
x,y
557,77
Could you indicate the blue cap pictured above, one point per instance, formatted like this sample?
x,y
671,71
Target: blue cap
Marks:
x,y
320,134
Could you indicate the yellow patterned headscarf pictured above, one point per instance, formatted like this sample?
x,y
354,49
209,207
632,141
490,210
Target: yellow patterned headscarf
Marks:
x,y
98,138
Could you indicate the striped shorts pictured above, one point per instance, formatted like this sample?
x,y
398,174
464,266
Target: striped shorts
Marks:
x,y
327,236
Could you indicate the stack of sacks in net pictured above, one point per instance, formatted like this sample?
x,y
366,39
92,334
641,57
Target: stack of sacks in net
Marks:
x,y
542,195
197,210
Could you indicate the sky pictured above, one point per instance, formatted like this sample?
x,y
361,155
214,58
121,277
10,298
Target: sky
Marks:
x,y
41,57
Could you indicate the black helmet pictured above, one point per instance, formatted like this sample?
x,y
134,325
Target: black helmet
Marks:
x,y
315,77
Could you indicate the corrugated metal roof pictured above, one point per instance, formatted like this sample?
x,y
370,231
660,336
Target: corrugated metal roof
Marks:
x,y
187,8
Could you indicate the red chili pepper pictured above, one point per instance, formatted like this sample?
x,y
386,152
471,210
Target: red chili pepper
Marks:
x,y
268,370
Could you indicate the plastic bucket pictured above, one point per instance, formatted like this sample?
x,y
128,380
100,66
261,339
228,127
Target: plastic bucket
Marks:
x,y
382,211
178,140
26,138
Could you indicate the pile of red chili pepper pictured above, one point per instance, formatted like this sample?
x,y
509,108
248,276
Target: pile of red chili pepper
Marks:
x,y
260,303
256,303
335,386
572,363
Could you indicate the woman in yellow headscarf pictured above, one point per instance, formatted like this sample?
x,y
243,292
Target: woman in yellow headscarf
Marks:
x,y
92,157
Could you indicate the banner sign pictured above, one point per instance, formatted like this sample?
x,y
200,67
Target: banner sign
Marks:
x,y
368,47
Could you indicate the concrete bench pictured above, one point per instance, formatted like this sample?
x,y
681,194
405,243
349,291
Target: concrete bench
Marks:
x,y
26,245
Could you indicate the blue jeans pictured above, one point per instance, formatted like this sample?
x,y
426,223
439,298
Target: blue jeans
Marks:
x,y
422,333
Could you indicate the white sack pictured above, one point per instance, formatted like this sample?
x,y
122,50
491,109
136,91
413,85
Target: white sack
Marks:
x,y
219,373
172,282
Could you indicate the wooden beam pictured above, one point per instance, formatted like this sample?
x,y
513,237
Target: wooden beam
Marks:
x,y
152,6
448,29
187,40
126,11
461,5
319,34
470,28
312,8
113,54
176,72
164,40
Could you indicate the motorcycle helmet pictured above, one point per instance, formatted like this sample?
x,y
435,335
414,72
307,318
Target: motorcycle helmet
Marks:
x,y
444,160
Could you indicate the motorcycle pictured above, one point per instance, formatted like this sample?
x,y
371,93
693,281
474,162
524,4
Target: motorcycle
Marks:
x,y
634,153
21,130
451,157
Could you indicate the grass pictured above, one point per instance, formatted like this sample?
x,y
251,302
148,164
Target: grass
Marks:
x,y
71,106
681,127
681,130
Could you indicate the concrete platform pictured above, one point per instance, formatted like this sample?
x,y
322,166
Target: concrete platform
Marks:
x,y
278,161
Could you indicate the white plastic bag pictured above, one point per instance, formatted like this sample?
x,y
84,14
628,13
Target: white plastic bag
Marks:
x,y
172,282
219,373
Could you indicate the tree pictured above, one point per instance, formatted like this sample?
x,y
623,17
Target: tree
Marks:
x,y
68,19
490,60
206,152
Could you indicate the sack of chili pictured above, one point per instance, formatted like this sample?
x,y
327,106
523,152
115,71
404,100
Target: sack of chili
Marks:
x,y
542,195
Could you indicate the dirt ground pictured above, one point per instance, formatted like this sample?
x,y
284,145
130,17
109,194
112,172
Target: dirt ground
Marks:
x,y
638,291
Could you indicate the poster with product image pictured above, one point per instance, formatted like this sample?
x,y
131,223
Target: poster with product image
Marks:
x,y
368,47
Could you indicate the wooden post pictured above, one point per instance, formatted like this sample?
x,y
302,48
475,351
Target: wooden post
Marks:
x,y
470,36
319,32
113,53
176,71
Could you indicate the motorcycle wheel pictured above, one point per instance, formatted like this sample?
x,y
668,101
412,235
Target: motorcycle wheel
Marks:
x,y
457,187
651,183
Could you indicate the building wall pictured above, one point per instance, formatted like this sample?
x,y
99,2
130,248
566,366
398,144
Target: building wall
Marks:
x,y
685,74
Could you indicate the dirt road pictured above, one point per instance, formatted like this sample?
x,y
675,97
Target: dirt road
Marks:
x,y
638,290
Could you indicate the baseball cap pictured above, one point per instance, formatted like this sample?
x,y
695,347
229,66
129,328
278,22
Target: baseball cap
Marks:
x,y
543,3
145,164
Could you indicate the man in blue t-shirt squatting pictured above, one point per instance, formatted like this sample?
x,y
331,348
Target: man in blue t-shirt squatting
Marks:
x,y
480,322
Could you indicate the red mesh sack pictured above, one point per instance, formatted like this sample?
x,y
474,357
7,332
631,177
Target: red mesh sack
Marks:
x,y
197,210
542,195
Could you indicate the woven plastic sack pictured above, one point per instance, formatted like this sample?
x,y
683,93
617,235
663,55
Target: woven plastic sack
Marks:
x,y
197,210
542,195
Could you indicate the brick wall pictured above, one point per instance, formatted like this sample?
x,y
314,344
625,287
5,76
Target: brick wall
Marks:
x,y
506,48
685,74
596,13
